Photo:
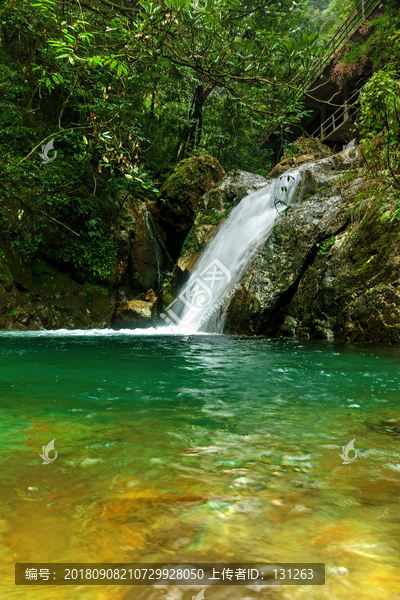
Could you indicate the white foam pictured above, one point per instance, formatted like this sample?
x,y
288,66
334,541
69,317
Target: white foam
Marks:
x,y
237,240
167,331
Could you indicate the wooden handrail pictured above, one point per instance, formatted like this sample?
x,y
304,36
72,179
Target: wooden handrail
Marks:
x,y
345,31
335,120
362,11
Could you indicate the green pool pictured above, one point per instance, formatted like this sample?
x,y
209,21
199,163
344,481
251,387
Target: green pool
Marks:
x,y
216,448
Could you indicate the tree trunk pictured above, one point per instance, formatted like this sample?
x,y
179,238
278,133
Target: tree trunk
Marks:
x,y
191,135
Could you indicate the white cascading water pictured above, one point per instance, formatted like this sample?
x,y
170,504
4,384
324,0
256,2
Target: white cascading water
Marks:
x,y
201,303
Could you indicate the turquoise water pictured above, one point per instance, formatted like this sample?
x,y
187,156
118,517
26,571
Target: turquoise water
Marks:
x,y
213,449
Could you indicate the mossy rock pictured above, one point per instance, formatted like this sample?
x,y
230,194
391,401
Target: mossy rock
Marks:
x,y
5,273
180,196
190,180
214,207
330,270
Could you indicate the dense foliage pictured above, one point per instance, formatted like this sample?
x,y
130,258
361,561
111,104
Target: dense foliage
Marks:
x,y
149,83
127,89
378,46
380,120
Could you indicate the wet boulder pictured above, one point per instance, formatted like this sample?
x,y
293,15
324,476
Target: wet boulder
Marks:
x,y
330,268
140,312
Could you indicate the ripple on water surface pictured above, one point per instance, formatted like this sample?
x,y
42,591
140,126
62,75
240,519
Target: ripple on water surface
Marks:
x,y
213,449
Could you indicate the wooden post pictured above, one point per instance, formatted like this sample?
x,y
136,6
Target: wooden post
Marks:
x,y
363,10
346,96
323,119
345,112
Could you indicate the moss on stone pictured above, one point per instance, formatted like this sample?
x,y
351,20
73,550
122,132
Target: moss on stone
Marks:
x,y
189,173
307,145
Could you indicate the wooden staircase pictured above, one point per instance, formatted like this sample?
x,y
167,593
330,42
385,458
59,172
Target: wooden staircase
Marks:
x,y
345,32
340,122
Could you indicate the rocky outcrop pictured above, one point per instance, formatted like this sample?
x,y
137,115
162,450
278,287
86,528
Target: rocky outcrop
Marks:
x,y
39,296
213,208
48,281
53,277
300,152
331,267
290,163
329,270
136,313
180,196
149,258
105,277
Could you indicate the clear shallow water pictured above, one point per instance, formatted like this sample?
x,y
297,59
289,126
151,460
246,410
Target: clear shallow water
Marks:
x,y
215,449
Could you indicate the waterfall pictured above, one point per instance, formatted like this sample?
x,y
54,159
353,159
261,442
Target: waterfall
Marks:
x,y
201,303
163,258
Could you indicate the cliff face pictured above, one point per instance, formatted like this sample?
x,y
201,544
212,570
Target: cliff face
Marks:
x,y
331,267
49,286
329,270
109,274
180,197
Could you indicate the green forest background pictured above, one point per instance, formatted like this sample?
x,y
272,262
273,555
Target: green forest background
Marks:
x,y
128,89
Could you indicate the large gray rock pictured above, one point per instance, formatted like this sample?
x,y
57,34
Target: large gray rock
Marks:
x,y
213,208
276,269
331,267
231,189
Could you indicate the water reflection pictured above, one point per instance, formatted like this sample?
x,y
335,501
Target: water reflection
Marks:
x,y
221,449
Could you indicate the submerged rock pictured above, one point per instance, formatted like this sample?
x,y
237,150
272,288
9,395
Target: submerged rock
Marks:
x,y
386,426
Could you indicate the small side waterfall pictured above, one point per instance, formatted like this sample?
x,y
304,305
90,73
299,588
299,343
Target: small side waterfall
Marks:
x,y
164,261
201,303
